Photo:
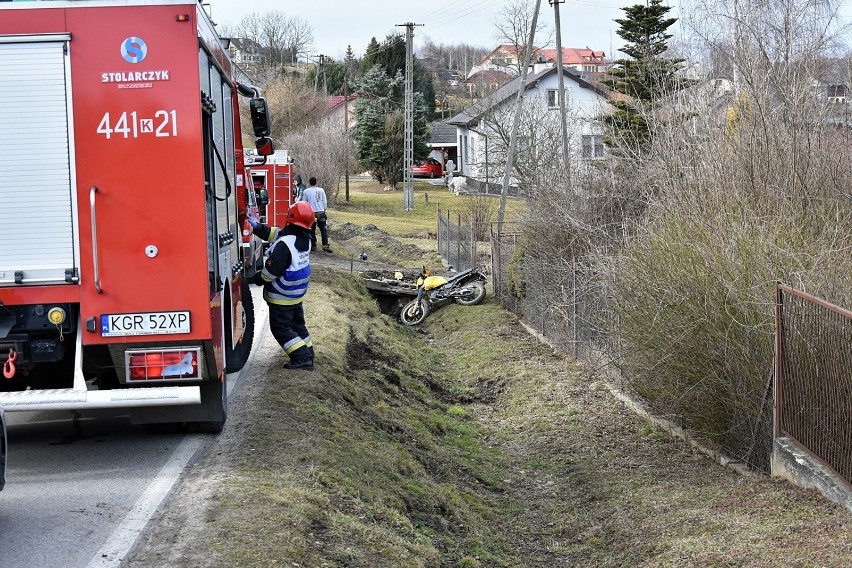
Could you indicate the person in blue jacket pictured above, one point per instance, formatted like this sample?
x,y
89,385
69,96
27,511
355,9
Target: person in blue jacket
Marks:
x,y
285,276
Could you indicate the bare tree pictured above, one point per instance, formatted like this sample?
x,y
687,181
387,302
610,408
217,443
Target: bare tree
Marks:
x,y
537,158
282,38
293,106
321,152
459,57
748,188
512,27
299,39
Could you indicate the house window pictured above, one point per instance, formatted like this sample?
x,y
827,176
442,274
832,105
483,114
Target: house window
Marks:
x,y
836,90
593,146
552,98
836,93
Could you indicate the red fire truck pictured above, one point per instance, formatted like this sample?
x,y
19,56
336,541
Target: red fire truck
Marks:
x,y
123,274
273,184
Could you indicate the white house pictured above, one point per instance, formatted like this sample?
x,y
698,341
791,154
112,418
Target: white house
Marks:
x,y
476,131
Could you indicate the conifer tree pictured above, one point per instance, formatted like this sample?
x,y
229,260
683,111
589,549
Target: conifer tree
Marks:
x,y
644,78
370,56
351,63
378,113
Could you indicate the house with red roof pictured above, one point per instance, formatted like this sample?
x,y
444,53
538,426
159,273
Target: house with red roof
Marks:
x,y
338,105
587,62
505,57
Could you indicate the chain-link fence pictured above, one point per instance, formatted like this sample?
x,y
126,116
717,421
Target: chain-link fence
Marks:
x,y
456,240
565,303
568,305
503,246
813,380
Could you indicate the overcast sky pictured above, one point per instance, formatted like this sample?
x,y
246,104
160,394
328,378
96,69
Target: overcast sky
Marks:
x,y
338,23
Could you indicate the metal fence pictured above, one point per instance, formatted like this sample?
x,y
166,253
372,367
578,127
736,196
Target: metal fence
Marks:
x,y
568,304
503,246
481,187
456,240
813,377
562,302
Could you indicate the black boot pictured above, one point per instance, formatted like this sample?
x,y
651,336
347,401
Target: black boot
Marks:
x,y
303,364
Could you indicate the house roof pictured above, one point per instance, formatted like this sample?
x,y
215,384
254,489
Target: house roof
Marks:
x,y
488,76
442,134
833,71
337,100
514,53
573,55
510,89
245,44
508,48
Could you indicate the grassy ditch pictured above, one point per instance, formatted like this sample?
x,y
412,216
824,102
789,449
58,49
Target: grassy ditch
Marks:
x,y
466,442
366,461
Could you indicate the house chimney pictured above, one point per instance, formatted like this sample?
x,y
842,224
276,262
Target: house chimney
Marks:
x,y
541,66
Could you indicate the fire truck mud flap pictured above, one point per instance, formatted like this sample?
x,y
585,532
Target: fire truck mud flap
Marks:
x,y
209,416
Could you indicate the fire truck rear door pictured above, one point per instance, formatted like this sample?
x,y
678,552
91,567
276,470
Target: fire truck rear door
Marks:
x,y
37,236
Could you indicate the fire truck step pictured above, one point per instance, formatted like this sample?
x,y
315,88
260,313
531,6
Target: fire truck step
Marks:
x,y
72,399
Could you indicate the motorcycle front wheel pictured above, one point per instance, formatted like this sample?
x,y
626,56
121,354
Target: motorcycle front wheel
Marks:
x,y
414,312
471,294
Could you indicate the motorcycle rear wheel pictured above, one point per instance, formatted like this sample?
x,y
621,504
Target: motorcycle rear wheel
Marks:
x,y
472,293
414,312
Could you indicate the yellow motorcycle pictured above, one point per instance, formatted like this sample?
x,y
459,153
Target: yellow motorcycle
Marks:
x,y
466,288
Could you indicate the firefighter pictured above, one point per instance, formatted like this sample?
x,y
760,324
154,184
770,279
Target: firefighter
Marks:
x,y
284,278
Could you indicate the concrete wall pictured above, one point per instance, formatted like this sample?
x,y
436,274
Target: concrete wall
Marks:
x,y
791,462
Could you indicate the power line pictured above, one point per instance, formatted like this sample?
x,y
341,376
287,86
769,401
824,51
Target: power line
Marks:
x,y
450,8
457,14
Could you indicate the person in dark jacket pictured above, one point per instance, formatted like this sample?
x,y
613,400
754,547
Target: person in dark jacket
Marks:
x,y
285,276
298,188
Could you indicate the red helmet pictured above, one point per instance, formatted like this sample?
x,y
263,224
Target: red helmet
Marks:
x,y
301,215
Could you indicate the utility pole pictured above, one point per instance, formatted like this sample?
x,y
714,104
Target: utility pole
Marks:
x,y
346,130
513,140
735,40
561,87
408,146
316,76
324,77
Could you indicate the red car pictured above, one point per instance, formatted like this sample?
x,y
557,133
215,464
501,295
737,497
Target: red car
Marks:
x,y
430,168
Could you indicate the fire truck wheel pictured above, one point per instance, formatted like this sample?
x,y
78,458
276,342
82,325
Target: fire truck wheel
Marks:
x,y
236,358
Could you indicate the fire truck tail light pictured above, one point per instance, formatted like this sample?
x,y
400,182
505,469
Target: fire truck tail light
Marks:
x,y
163,364
182,17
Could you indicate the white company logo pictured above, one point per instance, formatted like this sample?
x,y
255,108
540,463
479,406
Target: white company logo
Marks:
x,y
134,50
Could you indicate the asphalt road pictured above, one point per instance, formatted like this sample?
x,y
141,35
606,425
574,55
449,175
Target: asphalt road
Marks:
x,y
82,486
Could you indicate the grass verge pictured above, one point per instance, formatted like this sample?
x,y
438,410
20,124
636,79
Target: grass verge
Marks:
x,y
466,442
